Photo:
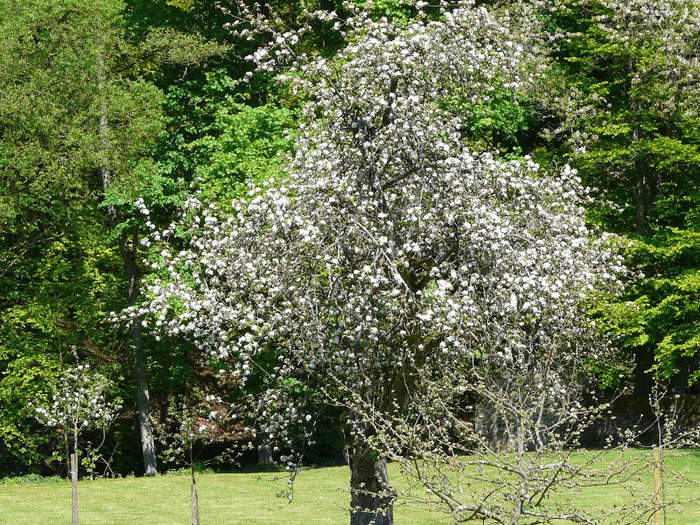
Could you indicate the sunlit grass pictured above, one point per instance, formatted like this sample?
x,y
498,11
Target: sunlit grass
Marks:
x,y
320,497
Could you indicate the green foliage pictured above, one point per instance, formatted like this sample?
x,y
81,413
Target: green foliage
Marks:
x,y
670,301
61,271
31,479
57,298
632,78
171,47
397,10
501,122
249,143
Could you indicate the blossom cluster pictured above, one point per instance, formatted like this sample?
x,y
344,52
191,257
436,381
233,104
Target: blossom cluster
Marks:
x,y
79,400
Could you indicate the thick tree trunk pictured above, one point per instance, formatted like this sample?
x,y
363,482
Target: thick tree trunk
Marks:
x,y
128,253
644,358
148,448
679,382
642,189
372,499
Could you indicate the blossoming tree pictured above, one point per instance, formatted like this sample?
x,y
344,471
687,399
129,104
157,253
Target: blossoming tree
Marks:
x,y
391,253
190,421
78,402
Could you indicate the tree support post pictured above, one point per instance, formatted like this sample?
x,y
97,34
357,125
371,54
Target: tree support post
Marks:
x,y
74,483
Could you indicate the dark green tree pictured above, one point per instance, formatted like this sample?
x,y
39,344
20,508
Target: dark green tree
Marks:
x,y
634,73
75,131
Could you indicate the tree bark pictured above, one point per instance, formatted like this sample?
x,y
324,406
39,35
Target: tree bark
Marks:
x,y
644,358
679,381
74,475
128,253
194,520
140,365
372,499
642,189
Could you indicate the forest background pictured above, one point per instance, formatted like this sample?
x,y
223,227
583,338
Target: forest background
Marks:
x,y
107,107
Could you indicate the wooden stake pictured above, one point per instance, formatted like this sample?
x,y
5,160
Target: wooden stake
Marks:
x,y
195,505
657,486
74,482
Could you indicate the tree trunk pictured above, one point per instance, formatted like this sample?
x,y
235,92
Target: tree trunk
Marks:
x,y
644,358
642,189
523,492
679,381
128,253
372,499
643,380
140,367
74,475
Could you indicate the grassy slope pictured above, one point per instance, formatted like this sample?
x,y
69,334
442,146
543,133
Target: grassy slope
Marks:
x,y
320,498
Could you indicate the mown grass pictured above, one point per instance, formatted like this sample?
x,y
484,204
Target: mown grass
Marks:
x,y
320,497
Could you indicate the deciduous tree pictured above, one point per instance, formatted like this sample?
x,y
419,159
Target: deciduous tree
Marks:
x,y
79,402
636,69
75,131
390,252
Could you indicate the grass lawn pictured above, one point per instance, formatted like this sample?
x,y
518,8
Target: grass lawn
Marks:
x,y
320,498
